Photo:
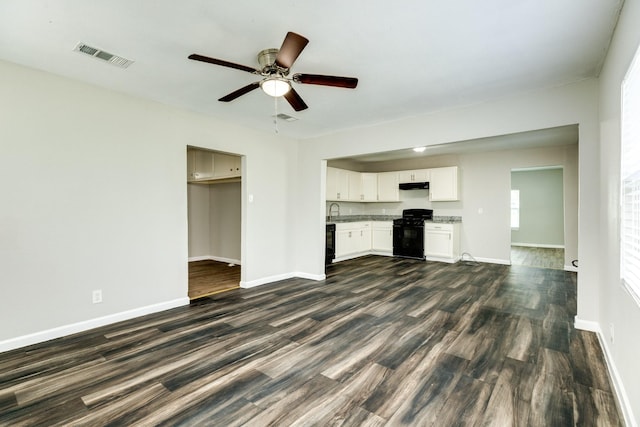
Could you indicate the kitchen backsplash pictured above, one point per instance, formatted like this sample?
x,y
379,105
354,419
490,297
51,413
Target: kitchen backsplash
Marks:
x,y
409,199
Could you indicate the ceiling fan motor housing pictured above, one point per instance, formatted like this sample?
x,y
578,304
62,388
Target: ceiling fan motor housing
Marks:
x,y
267,59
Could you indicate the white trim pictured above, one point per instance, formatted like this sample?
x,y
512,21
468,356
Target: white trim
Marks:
x,y
278,277
352,256
537,245
316,277
85,325
586,325
493,261
381,252
214,258
618,385
443,259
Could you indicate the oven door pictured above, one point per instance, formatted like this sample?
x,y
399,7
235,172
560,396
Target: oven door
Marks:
x,y
408,241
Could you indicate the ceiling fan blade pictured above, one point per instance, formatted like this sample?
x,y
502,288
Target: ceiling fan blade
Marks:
x,y
295,101
290,50
233,95
215,61
317,79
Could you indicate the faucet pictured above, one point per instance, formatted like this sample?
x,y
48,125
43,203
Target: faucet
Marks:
x,y
331,210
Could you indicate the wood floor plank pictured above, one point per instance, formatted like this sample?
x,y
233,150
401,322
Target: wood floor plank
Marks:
x,y
381,341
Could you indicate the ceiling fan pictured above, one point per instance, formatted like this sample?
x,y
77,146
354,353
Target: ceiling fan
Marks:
x,y
275,66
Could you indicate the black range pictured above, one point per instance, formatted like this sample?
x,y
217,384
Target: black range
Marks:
x,y
408,233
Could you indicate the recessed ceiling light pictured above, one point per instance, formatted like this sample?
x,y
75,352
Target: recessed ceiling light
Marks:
x,y
419,149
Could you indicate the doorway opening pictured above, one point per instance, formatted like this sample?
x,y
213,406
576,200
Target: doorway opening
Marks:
x,y
537,217
214,221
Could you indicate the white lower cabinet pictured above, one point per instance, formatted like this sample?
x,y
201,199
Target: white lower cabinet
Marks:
x,y
442,242
352,238
382,236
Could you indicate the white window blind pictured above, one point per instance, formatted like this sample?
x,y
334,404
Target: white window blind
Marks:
x,y
630,180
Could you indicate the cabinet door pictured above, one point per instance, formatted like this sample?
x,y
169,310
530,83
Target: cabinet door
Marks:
x,y
337,184
364,240
199,165
438,243
382,239
388,187
405,176
354,189
416,175
344,243
421,175
369,187
332,184
225,165
443,184
343,185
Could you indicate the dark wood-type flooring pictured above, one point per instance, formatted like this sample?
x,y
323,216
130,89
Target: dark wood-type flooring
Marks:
x,y
381,342
210,277
538,257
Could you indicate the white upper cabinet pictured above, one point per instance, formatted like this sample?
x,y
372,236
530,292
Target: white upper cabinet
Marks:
x,y
443,184
350,186
337,184
369,187
416,175
355,186
388,187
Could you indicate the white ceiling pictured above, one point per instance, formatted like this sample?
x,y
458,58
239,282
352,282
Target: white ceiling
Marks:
x,y
411,57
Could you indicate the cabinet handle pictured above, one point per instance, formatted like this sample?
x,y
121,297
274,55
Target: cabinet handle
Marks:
x,y
349,234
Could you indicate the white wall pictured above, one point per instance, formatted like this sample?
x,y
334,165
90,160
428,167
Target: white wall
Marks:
x,y
617,307
94,196
199,220
215,221
225,221
541,208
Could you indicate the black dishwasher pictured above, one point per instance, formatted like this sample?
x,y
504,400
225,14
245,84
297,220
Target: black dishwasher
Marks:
x,y
330,245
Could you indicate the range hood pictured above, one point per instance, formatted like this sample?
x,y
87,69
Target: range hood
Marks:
x,y
414,186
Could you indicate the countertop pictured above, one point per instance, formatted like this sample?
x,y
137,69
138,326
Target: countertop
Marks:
x,y
359,218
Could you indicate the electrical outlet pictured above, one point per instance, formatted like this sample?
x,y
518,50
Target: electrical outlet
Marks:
x,y
96,296
611,333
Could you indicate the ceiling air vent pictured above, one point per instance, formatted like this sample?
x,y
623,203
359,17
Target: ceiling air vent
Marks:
x,y
118,61
286,117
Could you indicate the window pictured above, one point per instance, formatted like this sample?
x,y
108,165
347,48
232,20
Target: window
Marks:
x,y
515,209
630,181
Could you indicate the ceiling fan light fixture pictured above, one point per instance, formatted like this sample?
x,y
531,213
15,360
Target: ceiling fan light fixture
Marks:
x,y
275,86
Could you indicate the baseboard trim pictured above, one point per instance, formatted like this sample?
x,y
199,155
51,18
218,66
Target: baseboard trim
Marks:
x,y
493,261
214,258
586,325
618,385
61,331
279,277
537,245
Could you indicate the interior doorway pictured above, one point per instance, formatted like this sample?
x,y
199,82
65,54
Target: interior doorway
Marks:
x,y
214,221
537,217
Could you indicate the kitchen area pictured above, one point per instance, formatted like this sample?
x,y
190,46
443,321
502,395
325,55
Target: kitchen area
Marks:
x,y
393,213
